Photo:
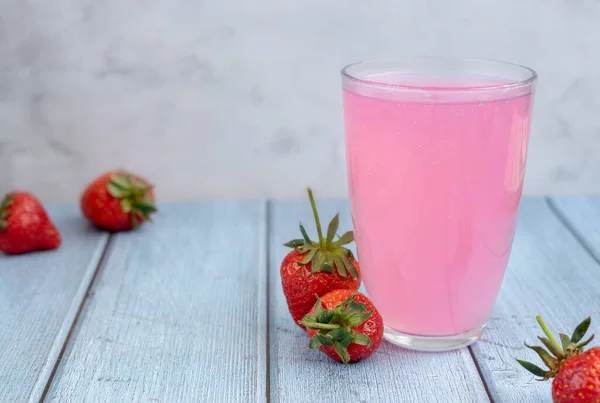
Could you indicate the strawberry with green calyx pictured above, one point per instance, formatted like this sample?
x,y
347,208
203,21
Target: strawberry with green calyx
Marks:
x,y
345,325
576,372
25,225
118,201
326,255
315,268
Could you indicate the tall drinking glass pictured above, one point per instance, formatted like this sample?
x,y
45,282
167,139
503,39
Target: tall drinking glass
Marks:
x,y
436,152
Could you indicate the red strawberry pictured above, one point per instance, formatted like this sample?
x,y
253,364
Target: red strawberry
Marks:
x,y
316,268
576,373
345,325
25,225
118,201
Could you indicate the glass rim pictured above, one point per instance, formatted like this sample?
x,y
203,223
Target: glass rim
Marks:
x,y
529,81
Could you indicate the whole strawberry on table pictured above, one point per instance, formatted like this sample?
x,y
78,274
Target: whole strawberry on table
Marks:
x,y
118,201
576,372
25,225
344,325
314,268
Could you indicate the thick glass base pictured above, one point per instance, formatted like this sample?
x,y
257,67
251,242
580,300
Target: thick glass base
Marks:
x,y
433,343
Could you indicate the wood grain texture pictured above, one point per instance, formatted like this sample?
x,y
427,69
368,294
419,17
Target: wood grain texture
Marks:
x,y
40,295
298,374
177,313
550,274
582,215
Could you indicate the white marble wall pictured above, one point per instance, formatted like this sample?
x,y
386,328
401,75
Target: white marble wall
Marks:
x,y
241,98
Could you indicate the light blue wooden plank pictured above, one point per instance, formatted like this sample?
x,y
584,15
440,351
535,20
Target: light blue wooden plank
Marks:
x,y
177,312
582,215
549,274
392,374
40,295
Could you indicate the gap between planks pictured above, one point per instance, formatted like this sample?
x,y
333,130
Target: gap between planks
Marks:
x,y
268,221
564,220
90,285
483,381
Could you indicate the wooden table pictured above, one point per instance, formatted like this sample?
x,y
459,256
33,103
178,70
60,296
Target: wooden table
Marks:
x,y
190,309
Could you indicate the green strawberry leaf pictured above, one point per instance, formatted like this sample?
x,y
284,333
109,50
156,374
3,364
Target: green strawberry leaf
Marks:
x,y
345,239
550,346
355,308
580,330
308,258
294,243
317,262
305,235
332,229
349,266
361,339
342,352
315,343
122,181
357,320
126,205
326,341
584,343
534,369
115,191
326,317
550,361
339,266
339,334
565,341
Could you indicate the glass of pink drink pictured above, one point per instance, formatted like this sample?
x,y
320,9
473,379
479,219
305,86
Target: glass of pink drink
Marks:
x,y
436,152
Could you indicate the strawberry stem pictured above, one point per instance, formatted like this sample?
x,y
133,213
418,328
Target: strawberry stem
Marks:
x,y
325,255
319,326
313,205
549,334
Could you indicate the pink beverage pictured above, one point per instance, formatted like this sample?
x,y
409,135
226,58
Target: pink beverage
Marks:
x,y
436,161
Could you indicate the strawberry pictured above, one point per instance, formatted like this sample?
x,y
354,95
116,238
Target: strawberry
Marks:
x,y
313,269
345,325
118,201
576,373
25,225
